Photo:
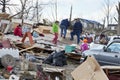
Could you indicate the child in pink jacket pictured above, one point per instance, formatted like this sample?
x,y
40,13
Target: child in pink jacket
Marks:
x,y
84,46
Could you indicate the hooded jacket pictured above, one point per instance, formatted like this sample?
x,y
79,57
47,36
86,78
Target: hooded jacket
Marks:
x,y
65,22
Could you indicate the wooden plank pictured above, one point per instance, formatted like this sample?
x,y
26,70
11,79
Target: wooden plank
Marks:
x,y
53,70
27,49
73,56
107,68
111,67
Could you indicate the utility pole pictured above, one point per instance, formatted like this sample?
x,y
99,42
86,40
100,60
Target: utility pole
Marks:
x,y
37,13
70,13
108,12
70,17
118,27
56,9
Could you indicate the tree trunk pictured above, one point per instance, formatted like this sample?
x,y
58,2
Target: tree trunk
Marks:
x,y
118,28
3,9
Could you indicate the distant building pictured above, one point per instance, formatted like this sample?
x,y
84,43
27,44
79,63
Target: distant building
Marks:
x,y
113,26
91,25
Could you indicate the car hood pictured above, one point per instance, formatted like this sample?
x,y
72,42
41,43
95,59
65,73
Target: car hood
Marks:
x,y
91,52
94,46
94,49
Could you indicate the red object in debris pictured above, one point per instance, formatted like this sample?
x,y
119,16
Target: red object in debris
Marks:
x,y
9,68
114,77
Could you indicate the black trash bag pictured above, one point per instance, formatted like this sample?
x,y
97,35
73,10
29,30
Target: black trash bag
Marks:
x,y
65,60
59,54
49,59
56,59
59,59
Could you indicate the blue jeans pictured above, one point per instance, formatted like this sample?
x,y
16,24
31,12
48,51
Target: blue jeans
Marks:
x,y
63,30
77,33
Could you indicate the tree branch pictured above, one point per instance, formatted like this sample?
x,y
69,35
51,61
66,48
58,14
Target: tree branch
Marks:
x,y
14,15
116,19
12,4
7,1
2,1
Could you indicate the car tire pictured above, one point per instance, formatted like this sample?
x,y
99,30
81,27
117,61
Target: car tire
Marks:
x,y
7,60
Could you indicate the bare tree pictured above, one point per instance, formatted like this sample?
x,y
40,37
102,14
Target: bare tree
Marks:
x,y
107,10
23,5
28,12
118,10
24,9
5,4
37,11
56,7
30,9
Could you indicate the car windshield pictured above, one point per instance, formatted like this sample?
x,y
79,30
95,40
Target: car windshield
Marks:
x,y
96,47
114,47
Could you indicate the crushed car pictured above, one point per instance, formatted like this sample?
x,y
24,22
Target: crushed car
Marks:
x,y
107,55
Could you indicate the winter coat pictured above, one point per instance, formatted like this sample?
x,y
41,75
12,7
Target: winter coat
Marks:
x,y
65,22
84,47
18,31
55,28
77,26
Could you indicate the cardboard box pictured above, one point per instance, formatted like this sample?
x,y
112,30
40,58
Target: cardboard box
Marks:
x,y
89,70
43,29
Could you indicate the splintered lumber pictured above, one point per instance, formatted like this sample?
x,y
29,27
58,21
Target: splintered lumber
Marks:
x,y
36,49
22,45
73,56
108,68
27,49
53,70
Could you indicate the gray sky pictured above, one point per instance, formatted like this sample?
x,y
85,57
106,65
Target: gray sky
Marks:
x,y
88,9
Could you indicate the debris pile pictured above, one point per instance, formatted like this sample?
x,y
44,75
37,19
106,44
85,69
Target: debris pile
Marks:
x,y
31,57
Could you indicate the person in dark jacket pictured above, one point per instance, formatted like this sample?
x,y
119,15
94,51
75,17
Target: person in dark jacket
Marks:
x,y
64,26
77,30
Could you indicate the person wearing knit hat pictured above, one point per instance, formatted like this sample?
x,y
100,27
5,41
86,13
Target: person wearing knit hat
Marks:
x,y
84,46
85,40
55,29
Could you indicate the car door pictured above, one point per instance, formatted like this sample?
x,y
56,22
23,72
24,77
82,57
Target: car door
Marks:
x,y
111,56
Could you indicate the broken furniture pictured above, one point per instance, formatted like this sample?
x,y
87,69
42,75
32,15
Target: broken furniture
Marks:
x,y
113,72
5,25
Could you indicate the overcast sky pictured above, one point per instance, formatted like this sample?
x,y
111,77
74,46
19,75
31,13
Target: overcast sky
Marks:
x,y
88,9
